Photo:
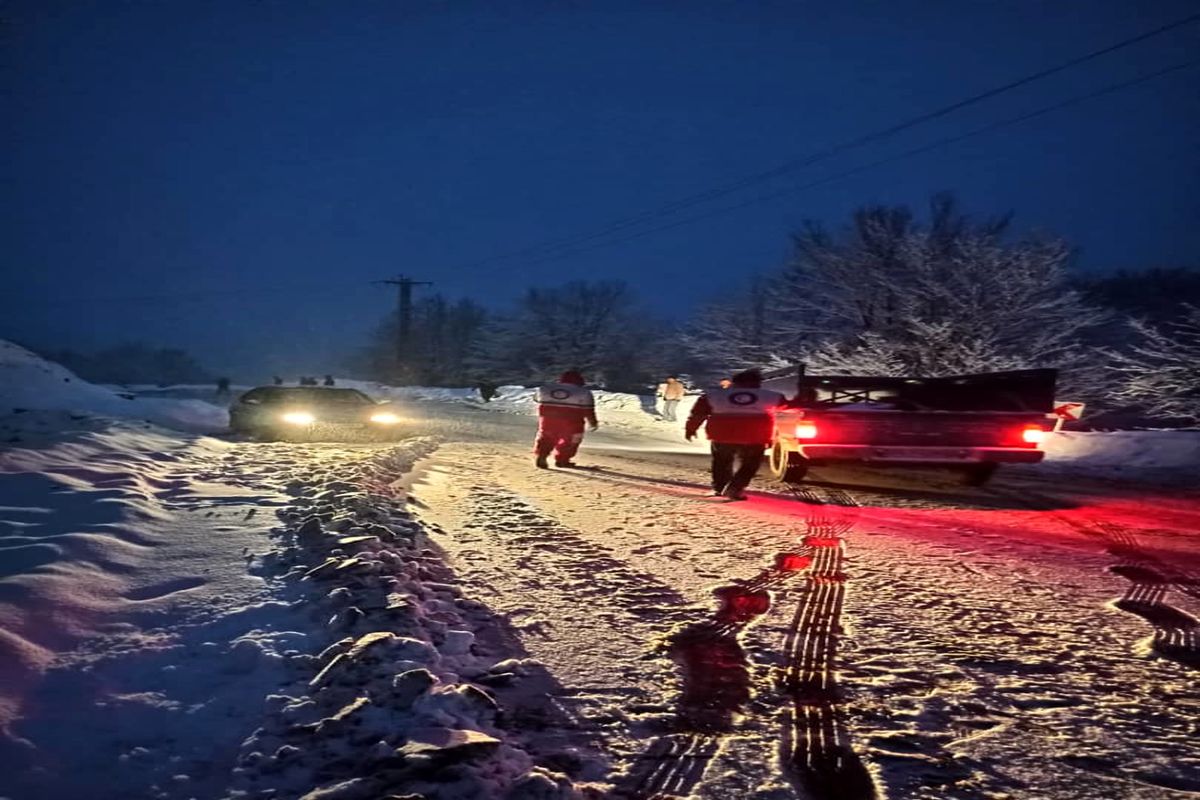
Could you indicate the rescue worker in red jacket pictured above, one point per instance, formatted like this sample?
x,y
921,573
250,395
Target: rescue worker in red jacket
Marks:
x,y
563,408
740,422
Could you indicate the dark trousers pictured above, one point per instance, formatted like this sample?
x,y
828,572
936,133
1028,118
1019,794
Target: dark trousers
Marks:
x,y
724,478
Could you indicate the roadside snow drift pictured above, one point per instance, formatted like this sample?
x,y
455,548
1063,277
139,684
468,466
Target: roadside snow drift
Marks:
x,y
165,639
397,685
29,382
123,594
1173,449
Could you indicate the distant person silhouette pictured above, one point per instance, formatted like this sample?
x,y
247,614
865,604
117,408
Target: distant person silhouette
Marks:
x,y
671,391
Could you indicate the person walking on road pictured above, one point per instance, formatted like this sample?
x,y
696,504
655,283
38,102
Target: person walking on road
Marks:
x,y
563,409
671,392
740,423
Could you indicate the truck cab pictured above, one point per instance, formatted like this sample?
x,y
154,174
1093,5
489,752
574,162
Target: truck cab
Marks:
x,y
972,423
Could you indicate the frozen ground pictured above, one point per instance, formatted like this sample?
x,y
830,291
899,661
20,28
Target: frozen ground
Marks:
x,y
1033,639
190,617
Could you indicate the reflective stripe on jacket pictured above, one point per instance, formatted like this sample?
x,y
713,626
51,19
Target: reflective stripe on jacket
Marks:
x,y
566,401
736,415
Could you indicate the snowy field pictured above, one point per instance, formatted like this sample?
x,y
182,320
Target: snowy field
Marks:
x,y
184,615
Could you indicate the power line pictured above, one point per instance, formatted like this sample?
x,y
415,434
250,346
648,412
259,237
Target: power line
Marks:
x,y
871,165
703,196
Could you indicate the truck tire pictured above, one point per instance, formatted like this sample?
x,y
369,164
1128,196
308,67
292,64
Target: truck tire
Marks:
x,y
788,466
979,474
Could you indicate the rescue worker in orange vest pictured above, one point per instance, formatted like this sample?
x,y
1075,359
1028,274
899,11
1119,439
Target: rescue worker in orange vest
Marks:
x,y
740,422
563,408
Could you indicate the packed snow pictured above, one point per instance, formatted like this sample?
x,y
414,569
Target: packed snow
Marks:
x,y
192,617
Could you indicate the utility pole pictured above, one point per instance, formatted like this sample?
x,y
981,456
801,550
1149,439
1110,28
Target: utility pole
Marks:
x,y
404,286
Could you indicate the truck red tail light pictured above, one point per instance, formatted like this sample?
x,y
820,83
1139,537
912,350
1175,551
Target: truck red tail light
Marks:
x,y
1033,435
806,430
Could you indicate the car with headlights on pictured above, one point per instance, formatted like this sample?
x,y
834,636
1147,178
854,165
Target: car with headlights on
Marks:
x,y
307,413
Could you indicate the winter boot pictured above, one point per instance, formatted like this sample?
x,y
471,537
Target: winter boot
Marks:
x,y
541,463
564,464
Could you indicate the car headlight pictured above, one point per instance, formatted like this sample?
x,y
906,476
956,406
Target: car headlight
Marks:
x,y
299,418
385,418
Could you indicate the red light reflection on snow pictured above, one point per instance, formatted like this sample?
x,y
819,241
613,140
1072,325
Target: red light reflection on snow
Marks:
x,y
821,541
792,562
740,605
1167,524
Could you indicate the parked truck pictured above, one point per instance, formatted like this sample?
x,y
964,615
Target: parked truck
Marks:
x,y
973,423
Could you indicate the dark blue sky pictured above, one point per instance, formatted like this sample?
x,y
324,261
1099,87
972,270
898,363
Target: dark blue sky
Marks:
x,y
230,176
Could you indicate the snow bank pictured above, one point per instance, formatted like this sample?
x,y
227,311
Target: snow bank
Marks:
x,y
1135,449
30,382
121,608
395,697
200,648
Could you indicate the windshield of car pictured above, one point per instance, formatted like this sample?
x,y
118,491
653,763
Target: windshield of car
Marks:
x,y
278,395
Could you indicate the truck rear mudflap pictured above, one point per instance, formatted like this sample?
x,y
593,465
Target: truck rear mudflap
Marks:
x,y
829,453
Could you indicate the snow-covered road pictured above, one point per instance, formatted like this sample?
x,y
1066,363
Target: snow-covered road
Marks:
x,y
897,636
246,620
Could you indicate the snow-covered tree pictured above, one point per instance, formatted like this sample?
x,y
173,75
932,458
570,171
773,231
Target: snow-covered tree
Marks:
x,y
1161,372
135,363
733,333
594,327
890,295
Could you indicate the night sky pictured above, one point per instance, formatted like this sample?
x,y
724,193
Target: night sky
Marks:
x,y
230,177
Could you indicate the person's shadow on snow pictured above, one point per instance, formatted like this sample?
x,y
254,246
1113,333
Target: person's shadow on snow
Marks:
x,y
650,405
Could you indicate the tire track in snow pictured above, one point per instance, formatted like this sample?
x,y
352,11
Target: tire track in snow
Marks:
x,y
816,749
547,552
1176,633
715,685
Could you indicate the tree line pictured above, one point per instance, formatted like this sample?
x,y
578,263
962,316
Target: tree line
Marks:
x,y
888,293
135,363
